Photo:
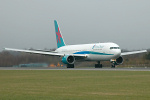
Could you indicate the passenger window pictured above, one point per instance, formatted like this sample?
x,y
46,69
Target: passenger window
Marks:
x,y
114,47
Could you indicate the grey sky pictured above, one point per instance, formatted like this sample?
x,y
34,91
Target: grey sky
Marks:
x,y
29,23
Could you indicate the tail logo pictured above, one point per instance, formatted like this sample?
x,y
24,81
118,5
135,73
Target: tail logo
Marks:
x,y
59,36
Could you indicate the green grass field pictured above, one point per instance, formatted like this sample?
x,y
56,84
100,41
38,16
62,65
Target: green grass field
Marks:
x,y
74,85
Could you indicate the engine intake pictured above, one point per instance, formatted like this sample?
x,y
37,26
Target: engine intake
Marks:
x,y
119,61
68,59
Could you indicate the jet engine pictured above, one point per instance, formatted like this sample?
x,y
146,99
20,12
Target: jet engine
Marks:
x,y
117,61
68,59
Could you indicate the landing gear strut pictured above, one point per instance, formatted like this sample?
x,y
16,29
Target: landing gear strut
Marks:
x,y
70,65
113,65
98,65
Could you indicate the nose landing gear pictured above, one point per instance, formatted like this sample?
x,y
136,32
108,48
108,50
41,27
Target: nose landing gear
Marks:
x,y
113,65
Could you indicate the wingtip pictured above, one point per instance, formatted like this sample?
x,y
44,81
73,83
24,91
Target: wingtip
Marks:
x,y
146,50
4,48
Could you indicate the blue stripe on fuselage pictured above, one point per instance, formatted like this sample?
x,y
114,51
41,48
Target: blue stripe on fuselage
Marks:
x,y
91,52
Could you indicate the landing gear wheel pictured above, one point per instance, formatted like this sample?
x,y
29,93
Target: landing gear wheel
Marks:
x,y
113,66
70,65
98,65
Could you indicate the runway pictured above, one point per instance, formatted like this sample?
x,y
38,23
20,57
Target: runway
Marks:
x,y
64,68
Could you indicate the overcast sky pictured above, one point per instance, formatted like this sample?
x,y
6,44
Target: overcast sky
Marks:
x,y
30,23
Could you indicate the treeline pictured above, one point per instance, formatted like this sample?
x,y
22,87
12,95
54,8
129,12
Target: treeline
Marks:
x,y
8,59
147,56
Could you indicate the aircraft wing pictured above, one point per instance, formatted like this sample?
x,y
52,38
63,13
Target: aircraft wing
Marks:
x,y
133,52
35,52
45,53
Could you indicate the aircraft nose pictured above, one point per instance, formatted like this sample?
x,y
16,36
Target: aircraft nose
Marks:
x,y
117,52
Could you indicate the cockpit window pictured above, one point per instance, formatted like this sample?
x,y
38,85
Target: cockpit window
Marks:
x,y
114,48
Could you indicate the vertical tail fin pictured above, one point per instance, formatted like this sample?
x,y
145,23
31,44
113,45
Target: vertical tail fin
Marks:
x,y
59,38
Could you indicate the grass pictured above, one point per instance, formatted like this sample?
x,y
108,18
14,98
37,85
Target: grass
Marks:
x,y
74,85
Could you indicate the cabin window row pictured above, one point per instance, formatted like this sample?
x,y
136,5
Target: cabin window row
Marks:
x,y
114,48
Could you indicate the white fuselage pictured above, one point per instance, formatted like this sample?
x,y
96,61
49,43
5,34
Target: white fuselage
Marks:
x,y
94,52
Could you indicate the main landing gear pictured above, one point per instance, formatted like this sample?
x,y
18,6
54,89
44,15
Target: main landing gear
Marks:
x,y
98,65
70,65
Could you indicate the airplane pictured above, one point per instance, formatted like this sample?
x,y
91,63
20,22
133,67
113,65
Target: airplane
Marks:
x,y
69,54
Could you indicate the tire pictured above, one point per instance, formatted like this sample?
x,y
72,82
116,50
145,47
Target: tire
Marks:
x,y
98,65
70,65
112,66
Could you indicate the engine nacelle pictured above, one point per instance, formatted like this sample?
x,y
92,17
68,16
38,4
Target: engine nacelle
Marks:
x,y
68,59
119,61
